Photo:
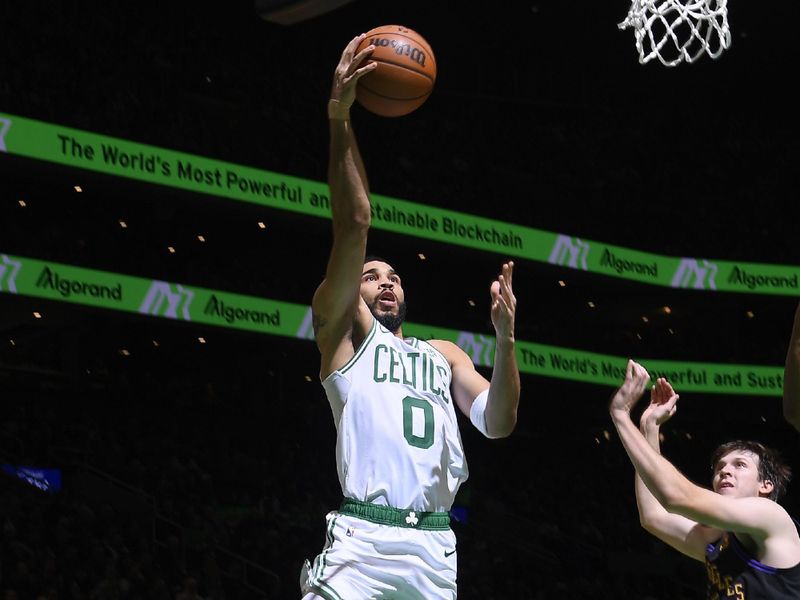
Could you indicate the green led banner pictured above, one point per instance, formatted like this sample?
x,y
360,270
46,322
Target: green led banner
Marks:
x,y
54,281
114,291
85,150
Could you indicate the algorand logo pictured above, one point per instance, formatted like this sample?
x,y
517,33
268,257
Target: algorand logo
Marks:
x,y
232,314
8,274
162,301
479,347
5,125
570,252
624,265
73,287
758,280
691,274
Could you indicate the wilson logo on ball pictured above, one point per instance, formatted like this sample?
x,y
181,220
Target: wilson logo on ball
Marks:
x,y
405,72
401,49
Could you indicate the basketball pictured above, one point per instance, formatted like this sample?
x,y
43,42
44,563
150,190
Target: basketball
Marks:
x,y
405,74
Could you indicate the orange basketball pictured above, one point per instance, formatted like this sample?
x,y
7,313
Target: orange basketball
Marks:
x,y
405,74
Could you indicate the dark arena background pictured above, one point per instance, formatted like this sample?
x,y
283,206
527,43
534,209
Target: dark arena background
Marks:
x,y
163,432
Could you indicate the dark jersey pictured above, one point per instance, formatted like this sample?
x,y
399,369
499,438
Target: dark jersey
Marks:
x,y
734,574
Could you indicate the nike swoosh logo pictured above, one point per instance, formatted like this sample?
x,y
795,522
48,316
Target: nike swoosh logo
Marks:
x,y
446,553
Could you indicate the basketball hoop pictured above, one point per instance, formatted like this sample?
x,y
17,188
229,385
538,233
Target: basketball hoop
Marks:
x,y
675,31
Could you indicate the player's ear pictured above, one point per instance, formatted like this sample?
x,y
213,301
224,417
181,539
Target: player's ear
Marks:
x,y
766,487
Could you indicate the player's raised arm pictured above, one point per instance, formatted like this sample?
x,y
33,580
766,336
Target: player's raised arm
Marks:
x,y
336,302
492,406
685,535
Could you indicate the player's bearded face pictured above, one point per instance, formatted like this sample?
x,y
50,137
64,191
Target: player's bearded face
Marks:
x,y
383,294
392,321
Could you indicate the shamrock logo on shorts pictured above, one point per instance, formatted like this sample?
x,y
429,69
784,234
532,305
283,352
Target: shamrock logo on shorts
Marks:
x,y
412,519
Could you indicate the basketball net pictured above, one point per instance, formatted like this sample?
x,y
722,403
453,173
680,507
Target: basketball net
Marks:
x,y
676,31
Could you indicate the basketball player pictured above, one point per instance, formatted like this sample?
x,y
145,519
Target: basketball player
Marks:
x,y
791,376
749,543
399,454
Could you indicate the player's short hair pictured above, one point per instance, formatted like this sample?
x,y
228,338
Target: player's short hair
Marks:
x,y
371,257
771,466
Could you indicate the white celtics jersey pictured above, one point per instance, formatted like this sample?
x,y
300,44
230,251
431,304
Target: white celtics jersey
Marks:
x,y
398,442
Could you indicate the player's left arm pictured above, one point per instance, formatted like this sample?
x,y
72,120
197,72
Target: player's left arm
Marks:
x,y
502,392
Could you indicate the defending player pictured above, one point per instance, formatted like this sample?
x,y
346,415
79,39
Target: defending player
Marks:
x,y
749,543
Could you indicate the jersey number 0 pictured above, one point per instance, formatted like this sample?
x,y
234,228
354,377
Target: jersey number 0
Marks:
x,y
412,406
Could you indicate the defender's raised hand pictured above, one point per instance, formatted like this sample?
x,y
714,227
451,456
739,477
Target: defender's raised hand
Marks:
x,y
632,388
662,405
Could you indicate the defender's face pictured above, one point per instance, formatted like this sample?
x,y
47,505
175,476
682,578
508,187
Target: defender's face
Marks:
x,y
736,475
381,288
